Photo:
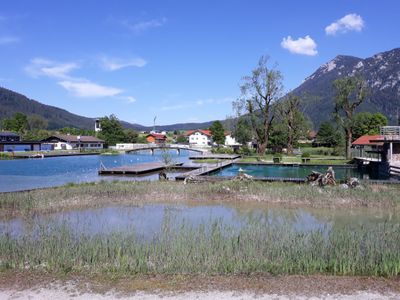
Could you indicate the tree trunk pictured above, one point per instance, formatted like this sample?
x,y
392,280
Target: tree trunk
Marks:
x,y
261,148
290,143
349,137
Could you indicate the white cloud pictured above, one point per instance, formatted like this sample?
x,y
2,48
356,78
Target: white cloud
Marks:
x,y
5,40
44,67
112,63
87,89
350,22
140,27
305,46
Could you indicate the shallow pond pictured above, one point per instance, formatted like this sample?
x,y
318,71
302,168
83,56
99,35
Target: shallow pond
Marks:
x,y
23,174
148,220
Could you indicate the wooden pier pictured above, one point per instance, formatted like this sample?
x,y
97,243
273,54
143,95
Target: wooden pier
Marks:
x,y
216,156
138,169
205,169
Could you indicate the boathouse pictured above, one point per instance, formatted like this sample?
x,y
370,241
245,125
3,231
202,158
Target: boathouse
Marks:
x,y
11,142
73,142
366,146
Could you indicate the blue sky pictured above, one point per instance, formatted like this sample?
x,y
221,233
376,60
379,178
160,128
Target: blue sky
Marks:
x,y
181,61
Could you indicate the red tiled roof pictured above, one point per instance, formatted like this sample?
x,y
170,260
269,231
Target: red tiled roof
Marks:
x,y
157,136
367,140
206,132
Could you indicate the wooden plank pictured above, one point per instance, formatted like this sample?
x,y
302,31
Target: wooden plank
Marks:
x,y
136,169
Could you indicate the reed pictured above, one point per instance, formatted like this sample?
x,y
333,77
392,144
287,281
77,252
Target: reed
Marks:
x,y
76,196
211,249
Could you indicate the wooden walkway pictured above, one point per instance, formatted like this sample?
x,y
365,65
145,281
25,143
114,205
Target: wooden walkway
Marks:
x,y
205,169
215,156
136,169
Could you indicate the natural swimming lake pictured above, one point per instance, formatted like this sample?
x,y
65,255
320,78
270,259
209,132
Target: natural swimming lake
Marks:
x,y
300,171
23,174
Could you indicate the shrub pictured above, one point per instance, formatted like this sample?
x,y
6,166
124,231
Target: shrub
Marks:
x,y
306,154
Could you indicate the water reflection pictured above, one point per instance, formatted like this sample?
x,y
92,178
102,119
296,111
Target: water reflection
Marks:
x,y
148,220
22,174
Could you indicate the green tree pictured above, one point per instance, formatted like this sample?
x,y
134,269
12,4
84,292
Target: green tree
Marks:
x,y
328,135
293,119
111,130
258,93
218,133
278,136
131,136
350,93
242,131
181,139
366,123
18,123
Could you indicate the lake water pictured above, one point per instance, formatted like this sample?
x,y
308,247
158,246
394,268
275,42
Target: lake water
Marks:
x,y
289,171
23,174
148,220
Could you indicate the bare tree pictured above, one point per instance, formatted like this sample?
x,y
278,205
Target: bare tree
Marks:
x,y
350,93
258,93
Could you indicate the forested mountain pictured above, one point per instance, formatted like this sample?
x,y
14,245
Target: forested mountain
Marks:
x,y
381,72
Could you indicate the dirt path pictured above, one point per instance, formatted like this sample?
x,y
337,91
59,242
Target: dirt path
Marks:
x,y
44,286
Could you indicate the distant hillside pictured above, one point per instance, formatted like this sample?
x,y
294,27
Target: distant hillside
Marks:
x,y
381,71
12,102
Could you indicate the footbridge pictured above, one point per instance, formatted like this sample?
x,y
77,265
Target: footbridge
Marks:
x,y
152,148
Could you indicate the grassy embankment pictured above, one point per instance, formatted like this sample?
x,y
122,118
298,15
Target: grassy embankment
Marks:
x,y
210,249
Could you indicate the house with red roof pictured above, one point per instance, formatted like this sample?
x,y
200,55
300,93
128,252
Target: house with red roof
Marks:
x,y
156,138
199,137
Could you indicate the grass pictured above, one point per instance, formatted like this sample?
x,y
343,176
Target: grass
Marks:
x,y
210,249
314,159
209,161
77,196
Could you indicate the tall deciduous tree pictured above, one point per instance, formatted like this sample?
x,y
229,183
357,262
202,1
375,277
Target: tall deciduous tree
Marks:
x,y
293,119
258,93
218,133
111,130
368,123
242,131
18,123
350,93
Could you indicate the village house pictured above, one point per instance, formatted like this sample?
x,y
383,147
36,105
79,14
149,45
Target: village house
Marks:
x,y
73,142
202,137
156,138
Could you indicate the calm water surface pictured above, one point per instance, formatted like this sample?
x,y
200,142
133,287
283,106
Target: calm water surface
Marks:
x,y
147,221
288,171
22,174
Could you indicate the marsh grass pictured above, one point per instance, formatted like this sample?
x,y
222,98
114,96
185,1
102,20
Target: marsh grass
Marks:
x,y
210,249
77,196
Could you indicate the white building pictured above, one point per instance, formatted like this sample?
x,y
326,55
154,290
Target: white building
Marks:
x,y
199,137
74,142
204,138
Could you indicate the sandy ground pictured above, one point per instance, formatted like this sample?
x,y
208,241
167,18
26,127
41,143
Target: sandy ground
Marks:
x,y
69,292
27,285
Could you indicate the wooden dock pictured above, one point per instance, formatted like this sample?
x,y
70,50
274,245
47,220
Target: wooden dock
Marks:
x,y
205,169
138,169
216,156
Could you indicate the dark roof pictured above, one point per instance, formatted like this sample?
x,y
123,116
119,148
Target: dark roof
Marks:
x,y
8,133
73,138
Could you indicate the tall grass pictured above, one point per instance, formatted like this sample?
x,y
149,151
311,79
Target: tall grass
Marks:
x,y
76,196
210,249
